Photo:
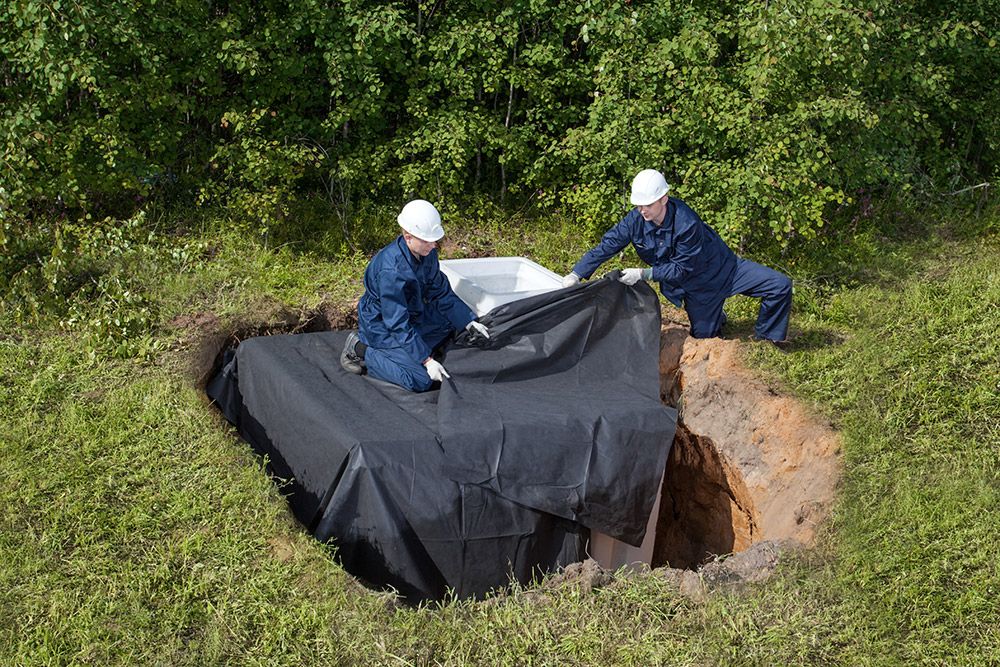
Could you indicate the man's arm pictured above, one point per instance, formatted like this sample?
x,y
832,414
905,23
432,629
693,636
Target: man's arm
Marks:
x,y
612,243
449,304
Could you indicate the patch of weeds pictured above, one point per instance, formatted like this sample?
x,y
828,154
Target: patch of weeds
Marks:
x,y
118,320
98,280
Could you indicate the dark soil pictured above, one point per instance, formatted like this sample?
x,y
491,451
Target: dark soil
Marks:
x,y
208,336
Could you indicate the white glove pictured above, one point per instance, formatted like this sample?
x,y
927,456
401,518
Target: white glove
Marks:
x,y
435,370
571,279
631,276
479,328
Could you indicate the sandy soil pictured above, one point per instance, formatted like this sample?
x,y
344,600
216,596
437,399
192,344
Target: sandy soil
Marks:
x,y
748,464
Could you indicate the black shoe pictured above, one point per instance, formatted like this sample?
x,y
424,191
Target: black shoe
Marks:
x,y
349,359
780,345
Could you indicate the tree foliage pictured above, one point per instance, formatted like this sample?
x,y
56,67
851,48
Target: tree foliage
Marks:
x,y
763,115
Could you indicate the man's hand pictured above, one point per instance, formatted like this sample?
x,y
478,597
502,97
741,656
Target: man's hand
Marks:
x,y
632,276
477,329
435,370
571,279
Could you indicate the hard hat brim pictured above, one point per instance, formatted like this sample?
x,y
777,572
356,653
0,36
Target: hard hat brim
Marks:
x,y
642,201
438,234
638,200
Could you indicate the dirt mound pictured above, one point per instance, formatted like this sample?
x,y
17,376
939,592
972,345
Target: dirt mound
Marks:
x,y
207,336
731,573
754,565
748,465
587,576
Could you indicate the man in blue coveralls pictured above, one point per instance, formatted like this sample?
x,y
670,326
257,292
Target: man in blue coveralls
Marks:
x,y
691,263
408,308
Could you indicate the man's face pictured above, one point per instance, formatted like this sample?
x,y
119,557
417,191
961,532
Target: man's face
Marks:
x,y
419,247
654,212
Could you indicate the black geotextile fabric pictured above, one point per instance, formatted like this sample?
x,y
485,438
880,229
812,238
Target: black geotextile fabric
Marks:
x,y
552,427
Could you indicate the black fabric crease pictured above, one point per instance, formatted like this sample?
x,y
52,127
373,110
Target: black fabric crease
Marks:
x,y
551,428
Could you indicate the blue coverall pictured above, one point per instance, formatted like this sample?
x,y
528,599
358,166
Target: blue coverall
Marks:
x,y
407,310
694,266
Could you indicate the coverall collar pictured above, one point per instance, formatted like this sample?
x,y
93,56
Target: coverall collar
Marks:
x,y
668,218
410,256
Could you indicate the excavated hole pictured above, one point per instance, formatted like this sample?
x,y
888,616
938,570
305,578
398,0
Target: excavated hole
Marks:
x,y
747,464
705,509
209,337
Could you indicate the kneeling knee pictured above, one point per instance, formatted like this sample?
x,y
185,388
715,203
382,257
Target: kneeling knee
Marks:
x,y
703,330
784,286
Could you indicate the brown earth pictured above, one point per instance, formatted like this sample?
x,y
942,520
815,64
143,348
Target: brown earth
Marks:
x,y
205,336
748,465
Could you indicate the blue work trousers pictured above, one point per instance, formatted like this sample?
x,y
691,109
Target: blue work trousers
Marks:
x,y
774,289
396,366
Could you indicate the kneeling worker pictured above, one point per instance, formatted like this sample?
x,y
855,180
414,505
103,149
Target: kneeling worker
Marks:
x,y
408,308
691,263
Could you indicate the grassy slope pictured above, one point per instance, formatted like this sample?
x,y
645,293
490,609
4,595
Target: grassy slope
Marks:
x,y
138,530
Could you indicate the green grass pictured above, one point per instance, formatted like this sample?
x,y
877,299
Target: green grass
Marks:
x,y
139,530
915,386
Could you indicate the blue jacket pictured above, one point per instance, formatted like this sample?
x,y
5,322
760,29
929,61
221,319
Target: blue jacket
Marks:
x,y
689,260
407,301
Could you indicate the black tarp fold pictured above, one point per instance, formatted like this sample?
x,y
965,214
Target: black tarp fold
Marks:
x,y
551,428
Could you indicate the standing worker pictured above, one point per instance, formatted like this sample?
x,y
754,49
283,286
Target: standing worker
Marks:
x,y
408,309
689,260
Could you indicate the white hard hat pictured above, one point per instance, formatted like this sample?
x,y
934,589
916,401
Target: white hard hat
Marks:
x,y
421,219
648,186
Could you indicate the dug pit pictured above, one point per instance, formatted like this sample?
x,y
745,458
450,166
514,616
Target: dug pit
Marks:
x,y
748,465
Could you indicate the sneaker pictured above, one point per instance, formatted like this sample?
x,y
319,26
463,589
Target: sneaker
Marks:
x,y
781,345
349,359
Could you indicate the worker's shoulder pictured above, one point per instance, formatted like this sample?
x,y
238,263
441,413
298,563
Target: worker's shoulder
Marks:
x,y
389,260
682,207
684,215
391,253
633,215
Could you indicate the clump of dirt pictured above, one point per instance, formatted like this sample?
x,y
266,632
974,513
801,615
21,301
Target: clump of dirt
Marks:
x,y
587,576
747,466
732,573
207,336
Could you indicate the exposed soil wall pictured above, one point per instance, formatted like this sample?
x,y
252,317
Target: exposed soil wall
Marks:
x,y
748,465
705,507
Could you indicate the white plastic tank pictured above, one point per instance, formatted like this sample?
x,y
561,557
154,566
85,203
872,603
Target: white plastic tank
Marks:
x,y
612,554
487,282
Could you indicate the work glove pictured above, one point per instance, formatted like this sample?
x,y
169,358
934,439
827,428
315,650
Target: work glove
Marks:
x,y
477,329
571,279
632,276
435,370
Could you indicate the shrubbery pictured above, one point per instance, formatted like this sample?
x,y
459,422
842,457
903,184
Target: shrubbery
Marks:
x,y
763,115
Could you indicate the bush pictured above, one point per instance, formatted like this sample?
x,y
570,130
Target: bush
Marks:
x,y
763,116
